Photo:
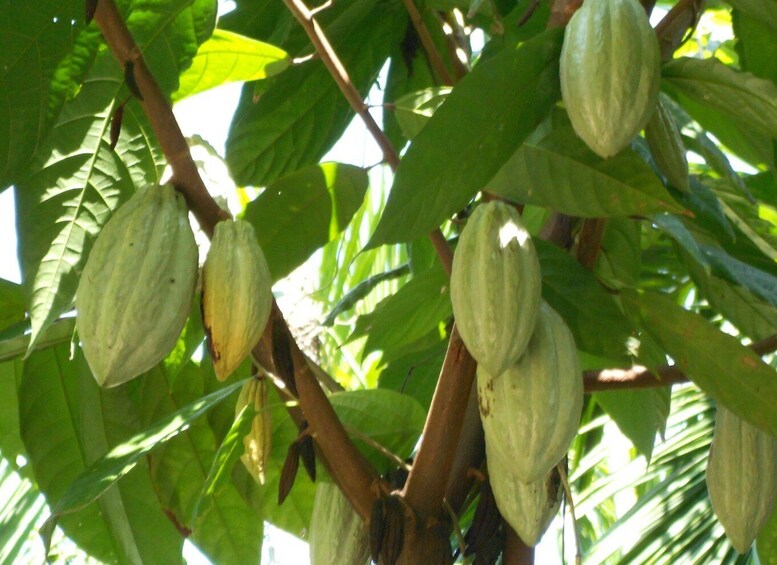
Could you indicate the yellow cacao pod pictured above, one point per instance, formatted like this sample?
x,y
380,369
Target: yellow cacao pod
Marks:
x,y
495,286
337,535
529,508
136,289
610,71
531,411
258,442
236,294
741,478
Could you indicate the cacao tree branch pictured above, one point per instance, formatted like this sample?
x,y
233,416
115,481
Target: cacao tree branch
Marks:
x,y
641,377
674,27
352,472
561,11
516,552
435,59
425,487
589,242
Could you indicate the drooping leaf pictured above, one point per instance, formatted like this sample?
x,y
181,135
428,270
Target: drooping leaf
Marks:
x,y
479,126
301,212
619,260
640,414
562,173
413,110
46,51
717,362
361,290
743,96
590,312
755,44
299,114
765,11
229,57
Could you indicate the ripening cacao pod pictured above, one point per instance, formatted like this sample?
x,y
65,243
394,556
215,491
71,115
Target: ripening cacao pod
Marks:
x,y
531,412
495,286
137,286
337,535
610,71
236,294
666,146
529,508
258,442
741,477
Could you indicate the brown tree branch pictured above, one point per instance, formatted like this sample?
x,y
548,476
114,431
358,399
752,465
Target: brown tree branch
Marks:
x,y
673,28
516,552
589,242
435,59
352,471
425,487
641,377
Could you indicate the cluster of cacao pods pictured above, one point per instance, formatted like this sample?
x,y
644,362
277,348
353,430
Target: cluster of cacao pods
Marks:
x,y
136,289
741,478
529,382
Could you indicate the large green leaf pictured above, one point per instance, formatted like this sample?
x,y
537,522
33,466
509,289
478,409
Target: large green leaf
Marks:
x,y
13,305
762,10
766,544
416,309
75,180
301,212
756,46
296,117
717,362
226,529
560,172
229,57
46,50
415,374
10,436
742,96
590,312
67,423
479,126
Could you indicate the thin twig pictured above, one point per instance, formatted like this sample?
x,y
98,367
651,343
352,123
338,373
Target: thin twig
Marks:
x,y
456,528
435,59
571,503
378,447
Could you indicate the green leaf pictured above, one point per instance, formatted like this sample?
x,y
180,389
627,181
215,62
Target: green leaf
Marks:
x,y
229,57
560,172
299,115
414,109
640,414
742,96
15,341
46,51
762,10
479,126
766,543
301,212
590,312
361,290
756,46
13,306
415,374
10,435
408,315
266,20
619,260
717,362
67,423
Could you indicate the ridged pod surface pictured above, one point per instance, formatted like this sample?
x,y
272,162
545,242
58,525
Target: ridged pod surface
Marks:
x,y
529,508
531,412
741,478
495,286
610,71
337,535
666,146
258,441
136,289
236,294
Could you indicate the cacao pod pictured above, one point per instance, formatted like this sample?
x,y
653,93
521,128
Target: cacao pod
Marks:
x,y
741,477
136,289
529,508
531,412
236,294
610,71
495,286
666,146
337,535
258,442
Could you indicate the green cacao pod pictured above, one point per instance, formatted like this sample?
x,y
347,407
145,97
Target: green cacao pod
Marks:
x,y
495,286
337,535
610,70
236,295
529,508
258,442
137,286
531,412
741,477
666,146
